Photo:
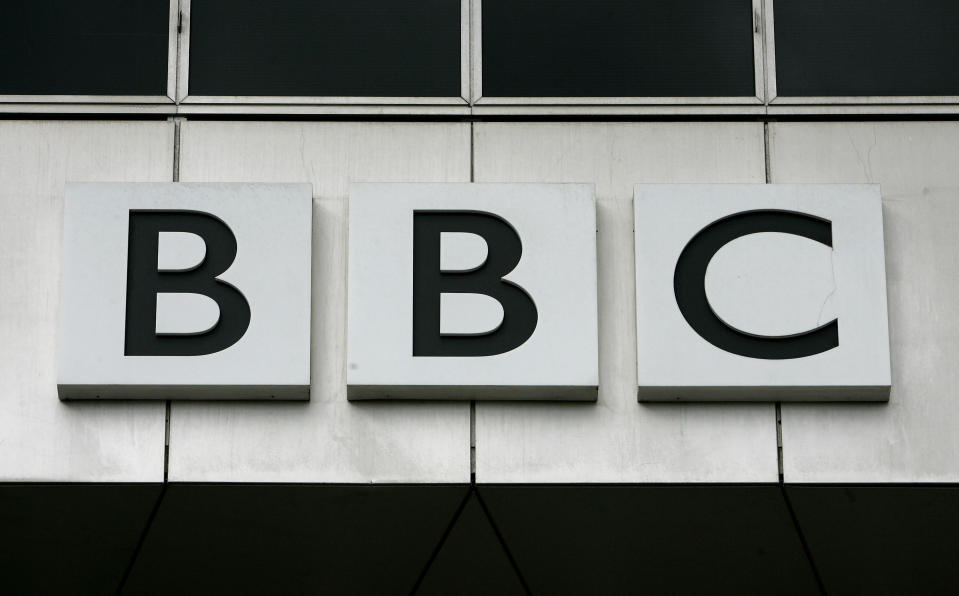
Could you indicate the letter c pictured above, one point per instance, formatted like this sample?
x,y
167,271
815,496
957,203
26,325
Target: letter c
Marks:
x,y
689,285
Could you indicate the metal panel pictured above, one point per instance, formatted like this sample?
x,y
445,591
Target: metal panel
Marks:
x,y
43,438
913,438
628,539
728,343
618,439
550,319
880,539
89,532
328,439
291,539
251,322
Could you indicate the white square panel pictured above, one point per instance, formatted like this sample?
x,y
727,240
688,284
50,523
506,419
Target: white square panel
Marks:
x,y
185,291
501,303
760,293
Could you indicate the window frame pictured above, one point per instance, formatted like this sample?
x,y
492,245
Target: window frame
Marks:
x,y
478,99
183,96
471,101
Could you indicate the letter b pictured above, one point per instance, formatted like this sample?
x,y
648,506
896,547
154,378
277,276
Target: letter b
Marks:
x,y
145,281
504,250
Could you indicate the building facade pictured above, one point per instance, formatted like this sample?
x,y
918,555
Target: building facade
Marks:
x,y
612,496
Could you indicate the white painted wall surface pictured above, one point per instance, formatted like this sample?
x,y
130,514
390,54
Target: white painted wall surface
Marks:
x,y
327,439
41,438
914,437
618,439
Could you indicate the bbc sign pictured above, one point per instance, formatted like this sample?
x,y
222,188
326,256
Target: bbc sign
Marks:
x,y
473,291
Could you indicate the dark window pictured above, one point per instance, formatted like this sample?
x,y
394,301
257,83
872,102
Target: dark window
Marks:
x,y
325,47
607,48
74,47
867,47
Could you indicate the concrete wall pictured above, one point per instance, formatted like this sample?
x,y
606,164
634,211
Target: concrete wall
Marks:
x,y
329,439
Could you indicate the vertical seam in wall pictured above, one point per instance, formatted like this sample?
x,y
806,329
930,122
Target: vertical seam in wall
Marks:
x,y
779,405
169,404
177,122
166,444
779,440
779,411
472,402
766,157
473,442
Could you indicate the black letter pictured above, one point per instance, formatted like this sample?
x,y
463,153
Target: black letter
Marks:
x,y
689,284
504,251
144,281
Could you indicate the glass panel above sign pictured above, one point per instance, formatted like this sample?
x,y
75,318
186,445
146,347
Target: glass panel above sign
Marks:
x,y
867,47
65,47
609,48
366,48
